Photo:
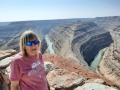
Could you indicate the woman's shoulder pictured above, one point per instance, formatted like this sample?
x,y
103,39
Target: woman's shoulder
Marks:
x,y
17,57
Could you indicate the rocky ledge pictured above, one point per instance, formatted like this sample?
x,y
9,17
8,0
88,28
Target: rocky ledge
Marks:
x,y
5,59
63,74
6,53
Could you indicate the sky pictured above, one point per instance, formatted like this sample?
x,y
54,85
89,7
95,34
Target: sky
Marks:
x,y
23,10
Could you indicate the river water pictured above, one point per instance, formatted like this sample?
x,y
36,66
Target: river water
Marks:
x,y
97,59
49,45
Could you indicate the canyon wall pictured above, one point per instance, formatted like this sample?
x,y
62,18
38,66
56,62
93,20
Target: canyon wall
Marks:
x,y
110,64
81,40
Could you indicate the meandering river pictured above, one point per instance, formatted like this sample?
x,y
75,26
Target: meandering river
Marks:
x,y
93,65
97,59
49,45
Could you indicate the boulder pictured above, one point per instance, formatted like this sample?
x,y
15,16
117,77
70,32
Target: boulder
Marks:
x,y
7,53
49,66
94,86
61,79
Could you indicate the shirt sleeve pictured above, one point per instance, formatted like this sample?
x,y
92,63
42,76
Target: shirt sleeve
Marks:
x,y
14,71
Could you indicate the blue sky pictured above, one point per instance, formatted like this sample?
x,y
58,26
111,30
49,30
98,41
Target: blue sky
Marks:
x,y
20,10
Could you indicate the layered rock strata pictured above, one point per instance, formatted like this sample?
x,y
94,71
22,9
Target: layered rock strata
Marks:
x,y
110,64
79,41
5,60
111,22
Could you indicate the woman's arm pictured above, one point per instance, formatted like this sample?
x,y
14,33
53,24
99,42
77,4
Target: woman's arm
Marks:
x,y
15,85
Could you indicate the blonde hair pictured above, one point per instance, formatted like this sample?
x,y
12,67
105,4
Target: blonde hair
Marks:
x,y
27,36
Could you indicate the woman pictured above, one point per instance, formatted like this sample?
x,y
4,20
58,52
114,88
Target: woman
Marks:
x,y
27,67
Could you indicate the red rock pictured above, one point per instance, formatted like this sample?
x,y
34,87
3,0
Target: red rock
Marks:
x,y
69,65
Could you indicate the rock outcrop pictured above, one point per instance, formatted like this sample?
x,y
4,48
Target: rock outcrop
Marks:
x,y
110,64
69,75
61,79
79,40
94,86
5,59
62,74
6,53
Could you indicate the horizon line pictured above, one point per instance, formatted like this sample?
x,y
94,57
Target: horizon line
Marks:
x,y
57,19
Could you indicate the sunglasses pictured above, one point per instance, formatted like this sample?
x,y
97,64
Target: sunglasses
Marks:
x,y
29,43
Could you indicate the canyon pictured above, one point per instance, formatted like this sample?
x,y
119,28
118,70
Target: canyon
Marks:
x,y
81,40
76,42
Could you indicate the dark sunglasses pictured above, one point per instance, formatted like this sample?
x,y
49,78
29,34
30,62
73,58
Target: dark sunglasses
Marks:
x,y
29,43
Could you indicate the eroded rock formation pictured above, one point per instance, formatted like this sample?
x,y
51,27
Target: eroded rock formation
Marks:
x,y
110,64
68,75
5,59
80,40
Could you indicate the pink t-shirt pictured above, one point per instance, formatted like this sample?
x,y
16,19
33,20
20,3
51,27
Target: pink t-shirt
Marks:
x,y
29,72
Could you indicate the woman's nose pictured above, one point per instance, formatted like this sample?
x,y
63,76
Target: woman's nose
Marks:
x,y
33,44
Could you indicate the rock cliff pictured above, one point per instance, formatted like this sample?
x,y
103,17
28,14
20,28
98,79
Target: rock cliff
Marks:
x,y
5,60
10,35
110,64
10,32
111,22
81,40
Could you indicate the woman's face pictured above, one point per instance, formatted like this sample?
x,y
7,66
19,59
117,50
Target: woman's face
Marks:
x,y
32,49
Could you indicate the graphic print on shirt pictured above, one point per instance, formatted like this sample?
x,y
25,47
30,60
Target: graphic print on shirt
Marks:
x,y
36,70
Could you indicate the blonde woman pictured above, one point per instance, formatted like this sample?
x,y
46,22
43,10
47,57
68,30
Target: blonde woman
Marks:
x,y
27,67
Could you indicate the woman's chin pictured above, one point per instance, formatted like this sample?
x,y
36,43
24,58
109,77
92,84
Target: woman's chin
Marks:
x,y
33,53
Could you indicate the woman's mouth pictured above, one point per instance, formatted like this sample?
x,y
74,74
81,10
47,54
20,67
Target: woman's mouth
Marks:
x,y
34,49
